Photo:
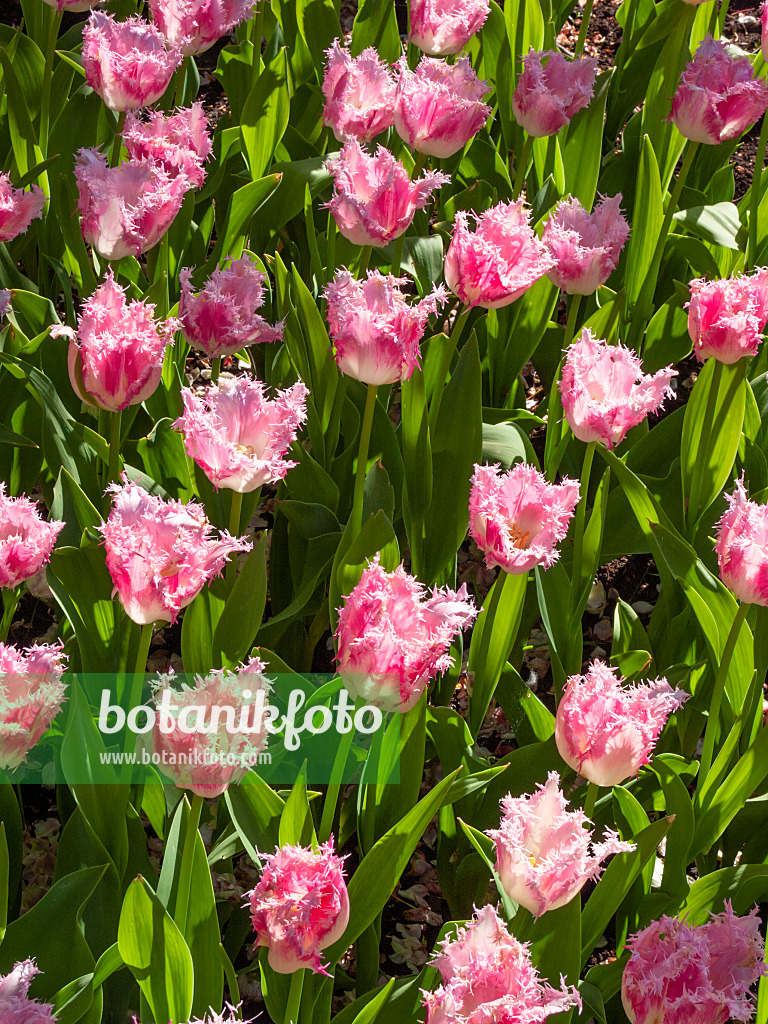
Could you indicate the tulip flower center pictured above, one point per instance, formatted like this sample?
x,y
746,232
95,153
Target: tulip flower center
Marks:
x,y
247,449
519,538
170,570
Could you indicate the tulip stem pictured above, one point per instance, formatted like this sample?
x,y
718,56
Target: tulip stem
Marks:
x,y
445,365
581,517
397,254
137,683
45,99
570,324
234,528
330,235
694,498
181,78
591,799
294,997
114,446
583,29
522,165
114,158
713,716
337,776
362,264
215,369
356,518
754,195
187,860
11,598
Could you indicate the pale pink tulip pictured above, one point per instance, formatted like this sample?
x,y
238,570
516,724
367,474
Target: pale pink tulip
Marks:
x,y
126,209
15,1005
195,25
498,261
516,518
229,1015
221,318
179,143
691,974
160,554
116,355
300,906
26,540
18,208
607,731
443,27
439,107
742,547
359,94
375,330
31,695
548,95
488,978
585,246
605,391
718,96
726,318
237,435
374,199
392,638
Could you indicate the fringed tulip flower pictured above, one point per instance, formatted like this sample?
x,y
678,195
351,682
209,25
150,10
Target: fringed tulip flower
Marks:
x,y
498,261
439,107
548,95
180,142
488,978
605,391
127,62
18,208
359,94
207,735
393,638
26,540
15,1005
31,695
607,731
116,355
691,974
517,518
718,96
237,435
375,330
742,547
300,906
443,27
726,318
127,209
374,199
221,318
195,25
160,554
585,246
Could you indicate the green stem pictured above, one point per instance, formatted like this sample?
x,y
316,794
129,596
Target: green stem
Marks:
x,y
330,235
137,682
114,446
215,369
118,140
522,165
234,529
181,78
754,195
45,98
713,716
584,28
692,512
294,998
104,428
362,263
337,776
11,598
445,365
573,314
356,518
591,799
581,517
187,859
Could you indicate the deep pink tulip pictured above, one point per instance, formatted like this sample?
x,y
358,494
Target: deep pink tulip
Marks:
x,y
516,518
392,638
375,330
439,107
742,547
127,62
690,974
18,208
195,25
726,318
221,318
300,906
443,27
498,261
585,246
374,199
26,540
31,695
488,978
548,95
15,1005
605,391
607,731
359,94
719,96
179,142
237,435
160,554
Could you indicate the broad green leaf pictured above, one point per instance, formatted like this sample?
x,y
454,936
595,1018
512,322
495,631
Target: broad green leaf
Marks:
x,y
265,116
646,224
256,811
582,151
241,616
376,25
319,25
296,827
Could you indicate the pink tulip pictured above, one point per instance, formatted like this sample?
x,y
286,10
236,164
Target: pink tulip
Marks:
x,y
605,391
179,143
392,638
127,209
126,62
607,731
116,355
443,27
375,331
300,906
72,6
229,1015
585,246
547,97
221,318
516,518
26,540
719,96
195,25
359,94
691,974
18,208
15,1005
742,547
31,695
439,106
160,554
501,259
237,435
374,199
544,853
726,319
488,978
